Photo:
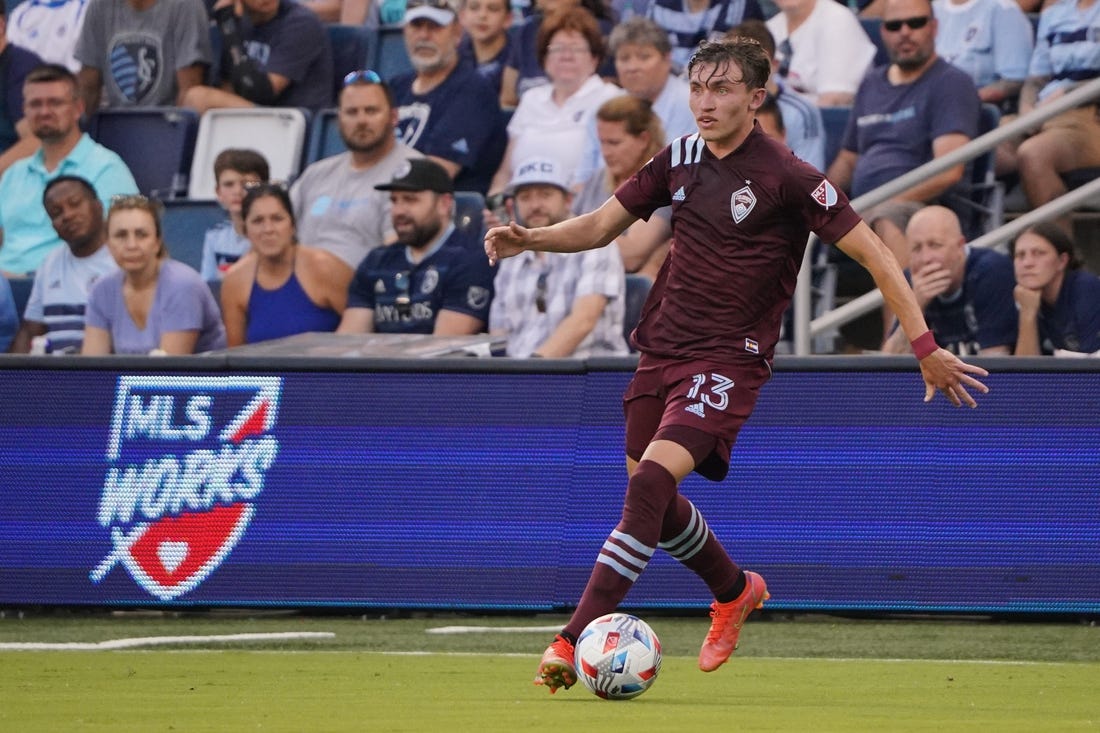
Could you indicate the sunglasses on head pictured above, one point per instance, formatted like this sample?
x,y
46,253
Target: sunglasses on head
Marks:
x,y
914,23
362,76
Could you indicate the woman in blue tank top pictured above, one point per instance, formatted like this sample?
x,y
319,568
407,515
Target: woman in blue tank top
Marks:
x,y
281,287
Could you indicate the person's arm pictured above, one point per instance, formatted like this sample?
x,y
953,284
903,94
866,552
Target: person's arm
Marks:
x,y
584,232
97,341
450,166
1027,340
509,80
327,11
931,188
582,318
180,343
1000,90
235,301
940,369
334,275
354,12
453,323
26,146
835,99
1029,92
91,83
188,77
28,330
641,239
504,173
357,320
249,81
841,169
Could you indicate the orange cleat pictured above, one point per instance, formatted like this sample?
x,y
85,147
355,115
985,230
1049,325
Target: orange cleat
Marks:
x,y
556,666
727,620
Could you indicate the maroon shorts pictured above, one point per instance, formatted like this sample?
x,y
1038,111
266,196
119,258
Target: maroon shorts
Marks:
x,y
712,398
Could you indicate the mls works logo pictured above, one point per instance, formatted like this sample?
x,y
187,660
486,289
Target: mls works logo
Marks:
x,y
187,457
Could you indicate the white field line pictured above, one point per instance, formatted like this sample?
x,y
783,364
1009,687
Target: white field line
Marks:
x,y
160,641
492,629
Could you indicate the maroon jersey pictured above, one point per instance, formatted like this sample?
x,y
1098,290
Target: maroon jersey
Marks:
x,y
739,230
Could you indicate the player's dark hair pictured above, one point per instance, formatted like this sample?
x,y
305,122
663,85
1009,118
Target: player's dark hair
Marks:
x,y
576,19
758,31
82,182
1058,238
243,161
747,54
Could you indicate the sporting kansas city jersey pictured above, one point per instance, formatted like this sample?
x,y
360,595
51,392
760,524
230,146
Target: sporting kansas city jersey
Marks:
x,y
739,229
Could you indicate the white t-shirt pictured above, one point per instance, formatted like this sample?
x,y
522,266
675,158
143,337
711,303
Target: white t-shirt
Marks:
x,y
830,51
542,128
49,28
59,294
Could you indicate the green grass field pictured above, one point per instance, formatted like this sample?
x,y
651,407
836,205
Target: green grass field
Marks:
x,y
805,673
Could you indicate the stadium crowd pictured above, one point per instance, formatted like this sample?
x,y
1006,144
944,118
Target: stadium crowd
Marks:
x,y
479,112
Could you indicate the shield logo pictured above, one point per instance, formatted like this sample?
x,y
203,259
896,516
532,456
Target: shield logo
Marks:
x,y
412,120
136,66
187,460
741,203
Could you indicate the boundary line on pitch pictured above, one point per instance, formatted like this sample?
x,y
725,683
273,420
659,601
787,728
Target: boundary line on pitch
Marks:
x,y
142,641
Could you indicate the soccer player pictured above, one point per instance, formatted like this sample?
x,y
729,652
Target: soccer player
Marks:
x,y
742,209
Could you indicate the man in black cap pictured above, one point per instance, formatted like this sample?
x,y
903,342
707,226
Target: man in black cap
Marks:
x,y
430,280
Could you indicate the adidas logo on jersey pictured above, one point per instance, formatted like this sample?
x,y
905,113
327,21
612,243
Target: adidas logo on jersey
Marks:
x,y
679,195
696,409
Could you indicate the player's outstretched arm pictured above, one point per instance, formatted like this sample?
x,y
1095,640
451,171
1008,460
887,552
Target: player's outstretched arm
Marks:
x,y
587,231
942,371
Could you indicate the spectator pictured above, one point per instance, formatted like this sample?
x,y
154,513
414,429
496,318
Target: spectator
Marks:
x,y
235,169
1067,55
49,28
1059,302
690,22
486,43
643,63
965,293
59,296
771,119
630,135
524,70
275,53
430,280
281,287
446,110
556,304
991,40
152,51
554,118
53,109
907,113
154,305
822,50
335,202
802,123
16,140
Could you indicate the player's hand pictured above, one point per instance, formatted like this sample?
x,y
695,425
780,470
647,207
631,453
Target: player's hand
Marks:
x,y
929,282
506,241
947,373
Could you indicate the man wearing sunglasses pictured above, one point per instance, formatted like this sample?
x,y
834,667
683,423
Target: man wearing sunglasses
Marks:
x,y
905,114
337,206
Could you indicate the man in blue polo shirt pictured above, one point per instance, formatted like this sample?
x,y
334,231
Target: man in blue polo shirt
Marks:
x,y
965,293
431,280
52,106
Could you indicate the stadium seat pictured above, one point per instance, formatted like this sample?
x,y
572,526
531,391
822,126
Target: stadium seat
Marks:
x,y
637,289
156,143
352,49
184,223
873,28
835,120
20,292
468,208
279,133
324,137
393,59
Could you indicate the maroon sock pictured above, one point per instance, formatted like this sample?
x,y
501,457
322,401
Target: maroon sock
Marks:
x,y
627,550
686,536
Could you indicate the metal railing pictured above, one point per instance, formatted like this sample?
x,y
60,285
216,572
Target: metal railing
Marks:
x,y
805,328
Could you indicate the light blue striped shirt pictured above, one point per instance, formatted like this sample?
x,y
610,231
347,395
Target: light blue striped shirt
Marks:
x,y
1067,46
60,294
990,40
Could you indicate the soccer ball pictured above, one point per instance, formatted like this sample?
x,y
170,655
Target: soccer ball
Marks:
x,y
617,657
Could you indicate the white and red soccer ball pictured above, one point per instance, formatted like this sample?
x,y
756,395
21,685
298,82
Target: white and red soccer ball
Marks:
x,y
617,657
